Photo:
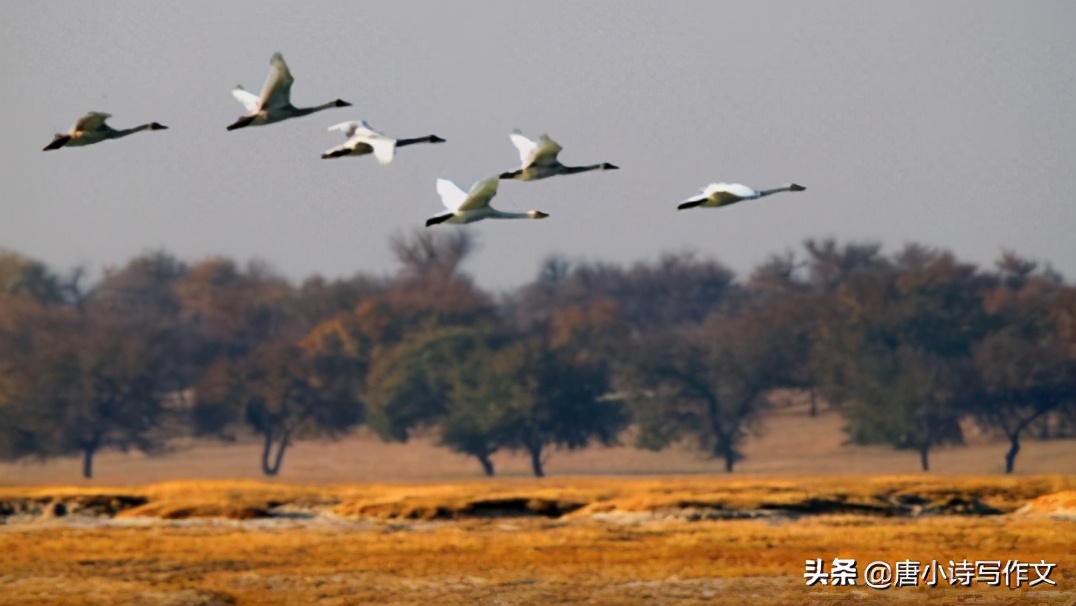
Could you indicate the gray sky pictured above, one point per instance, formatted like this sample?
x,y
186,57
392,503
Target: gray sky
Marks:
x,y
947,123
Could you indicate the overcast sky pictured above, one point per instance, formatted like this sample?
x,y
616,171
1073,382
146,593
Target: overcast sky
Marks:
x,y
952,124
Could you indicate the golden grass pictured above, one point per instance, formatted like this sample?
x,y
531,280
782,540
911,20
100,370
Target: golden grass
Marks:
x,y
371,543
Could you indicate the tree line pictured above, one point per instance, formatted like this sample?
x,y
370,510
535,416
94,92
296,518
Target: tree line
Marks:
x,y
910,348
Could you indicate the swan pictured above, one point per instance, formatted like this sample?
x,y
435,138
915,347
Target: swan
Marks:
x,y
91,128
363,139
468,207
274,104
717,195
540,160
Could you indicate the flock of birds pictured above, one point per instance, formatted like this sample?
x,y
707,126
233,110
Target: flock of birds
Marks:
x,y
538,158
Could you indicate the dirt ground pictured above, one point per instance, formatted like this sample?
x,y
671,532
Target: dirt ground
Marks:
x,y
359,521
791,442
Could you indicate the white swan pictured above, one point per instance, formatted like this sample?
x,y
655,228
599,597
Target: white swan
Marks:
x,y
274,104
363,139
468,207
539,160
716,195
91,129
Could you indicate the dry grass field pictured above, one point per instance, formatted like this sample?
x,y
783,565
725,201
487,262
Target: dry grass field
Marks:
x,y
576,540
361,522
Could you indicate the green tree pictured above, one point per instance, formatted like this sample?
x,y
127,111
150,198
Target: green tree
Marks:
x,y
709,383
897,360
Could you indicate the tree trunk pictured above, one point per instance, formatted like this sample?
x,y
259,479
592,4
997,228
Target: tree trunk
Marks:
x,y
87,461
536,460
1014,448
271,469
924,460
730,458
487,465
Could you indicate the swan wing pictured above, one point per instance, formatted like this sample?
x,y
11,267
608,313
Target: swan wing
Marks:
x,y
525,146
248,99
481,193
277,90
91,121
451,195
384,147
545,153
348,128
735,189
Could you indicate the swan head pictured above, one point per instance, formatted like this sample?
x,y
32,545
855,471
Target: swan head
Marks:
x,y
607,166
340,103
156,126
795,187
435,139
537,214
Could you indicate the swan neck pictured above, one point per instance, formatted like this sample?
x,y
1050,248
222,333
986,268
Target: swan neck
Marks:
x,y
767,192
571,170
412,141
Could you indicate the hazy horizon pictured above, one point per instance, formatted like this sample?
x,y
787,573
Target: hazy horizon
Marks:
x,y
948,124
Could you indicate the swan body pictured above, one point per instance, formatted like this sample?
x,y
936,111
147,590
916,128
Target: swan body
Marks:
x,y
717,195
91,129
468,207
539,160
274,104
362,139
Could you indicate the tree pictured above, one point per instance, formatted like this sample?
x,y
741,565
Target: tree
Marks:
x,y
708,383
1025,367
528,396
96,375
283,393
897,358
677,290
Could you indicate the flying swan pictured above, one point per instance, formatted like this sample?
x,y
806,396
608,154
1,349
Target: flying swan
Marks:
x,y
91,129
274,104
539,160
468,207
717,195
363,139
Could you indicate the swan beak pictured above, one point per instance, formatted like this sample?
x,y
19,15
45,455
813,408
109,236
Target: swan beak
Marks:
x,y
795,187
341,103
157,126
436,139
608,166
539,214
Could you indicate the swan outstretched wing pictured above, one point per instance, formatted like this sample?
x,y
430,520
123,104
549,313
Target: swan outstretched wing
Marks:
x,y
525,146
247,98
451,195
348,128
277,90
481,193
91,121
545,153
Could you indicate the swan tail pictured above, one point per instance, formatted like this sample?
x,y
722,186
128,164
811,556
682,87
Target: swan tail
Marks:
x,y
241,122
439,219
57,142
339,152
